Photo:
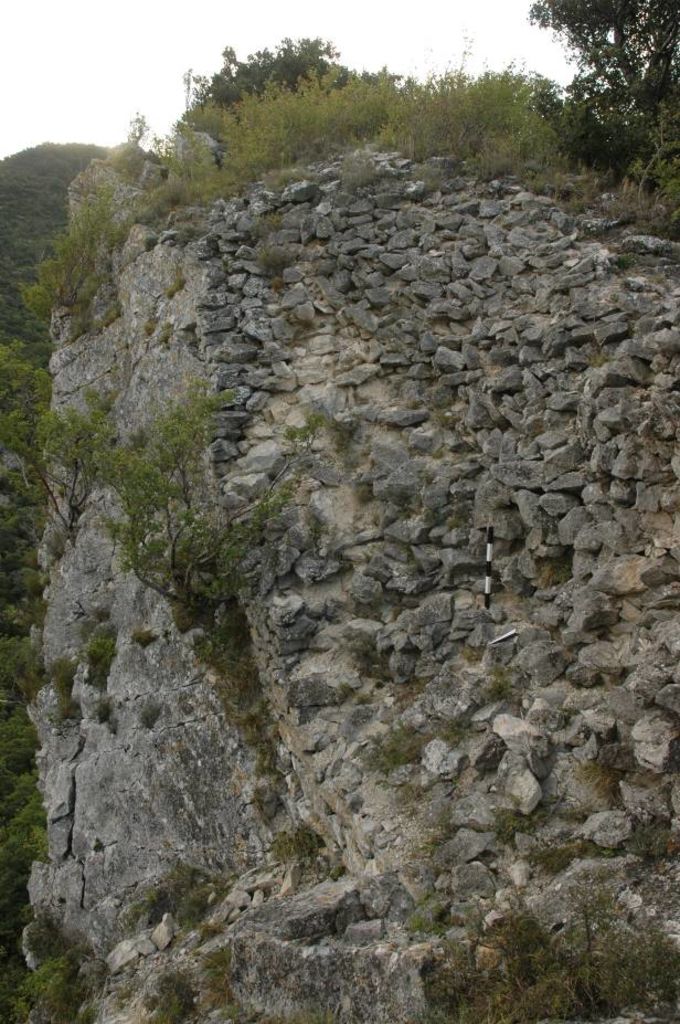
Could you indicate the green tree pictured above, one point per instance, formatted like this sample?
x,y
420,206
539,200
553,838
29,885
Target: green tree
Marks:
x,y
53,453
172,534
628,58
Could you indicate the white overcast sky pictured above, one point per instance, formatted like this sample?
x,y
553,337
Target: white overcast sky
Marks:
x,y
78,70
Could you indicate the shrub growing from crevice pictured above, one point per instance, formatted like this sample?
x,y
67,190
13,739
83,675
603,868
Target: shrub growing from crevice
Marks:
x,y
99,654
185,892
226,647
62,673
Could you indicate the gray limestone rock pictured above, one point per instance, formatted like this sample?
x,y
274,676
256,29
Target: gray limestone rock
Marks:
x,y
609,829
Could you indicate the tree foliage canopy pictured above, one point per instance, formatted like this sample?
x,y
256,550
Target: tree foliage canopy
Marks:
x,y
291,61
172,534
628,47
628,58
53,454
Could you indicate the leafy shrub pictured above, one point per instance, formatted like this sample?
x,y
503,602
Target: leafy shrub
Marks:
x,y
99,653
57,987
399,747
172,534
471,118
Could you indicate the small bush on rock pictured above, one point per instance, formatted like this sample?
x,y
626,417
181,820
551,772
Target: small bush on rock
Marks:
x,y
301,845
100,652
399,747
184,892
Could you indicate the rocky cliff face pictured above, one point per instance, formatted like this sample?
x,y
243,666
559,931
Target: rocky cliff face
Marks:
x,y
471,358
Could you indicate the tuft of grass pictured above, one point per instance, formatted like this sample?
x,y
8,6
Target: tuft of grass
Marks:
x,y
165,333
104,710
226,647
500,685
178,282
651,842
363,492
508,823
554,859
430,917
554,572
300,845
370,661
144,637
602,779
599,358
216,970
399,747
273,259
358,171
473,655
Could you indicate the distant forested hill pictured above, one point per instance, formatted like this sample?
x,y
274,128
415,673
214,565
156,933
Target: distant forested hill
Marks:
x,y
33,187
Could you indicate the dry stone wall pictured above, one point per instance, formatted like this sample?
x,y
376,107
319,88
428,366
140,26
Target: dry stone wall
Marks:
x,y
468,357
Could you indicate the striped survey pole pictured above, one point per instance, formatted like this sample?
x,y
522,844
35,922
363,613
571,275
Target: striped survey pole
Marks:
x,y
489,560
